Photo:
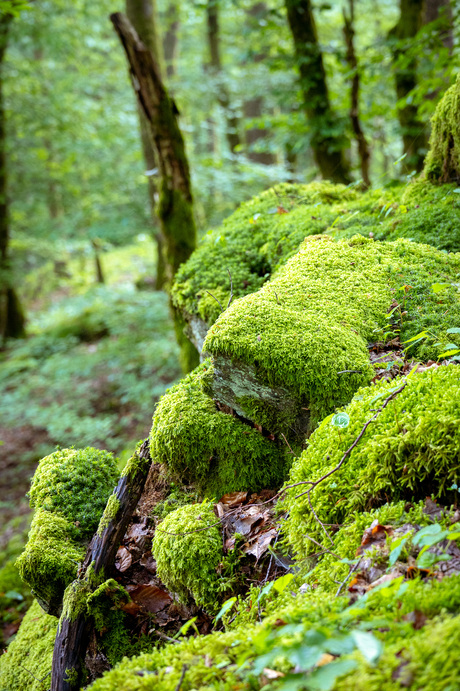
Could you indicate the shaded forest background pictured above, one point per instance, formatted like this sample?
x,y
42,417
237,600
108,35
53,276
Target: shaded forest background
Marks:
x,y
82,257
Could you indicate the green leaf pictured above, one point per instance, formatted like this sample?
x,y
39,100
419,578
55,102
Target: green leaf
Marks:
x,y
14,595
368,645
282,582
439,287
324,678
449,353
396,552
341,420
430,535
422,334
226,607
454,330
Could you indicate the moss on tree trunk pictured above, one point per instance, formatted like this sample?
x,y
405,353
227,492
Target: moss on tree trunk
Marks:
x,y
327,142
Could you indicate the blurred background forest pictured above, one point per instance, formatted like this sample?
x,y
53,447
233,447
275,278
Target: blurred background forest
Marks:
x,y
98,345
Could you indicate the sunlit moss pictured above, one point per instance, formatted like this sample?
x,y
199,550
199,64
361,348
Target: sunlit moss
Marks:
x,y
442,163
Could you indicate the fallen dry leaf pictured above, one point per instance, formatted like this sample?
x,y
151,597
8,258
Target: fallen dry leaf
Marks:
x,y
123,559
259,546
234,498
150,598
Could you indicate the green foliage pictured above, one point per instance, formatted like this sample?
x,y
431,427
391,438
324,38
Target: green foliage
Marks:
x,y
443,159
30,653
211,449
313,320
187,547
114,379
410,451
110,513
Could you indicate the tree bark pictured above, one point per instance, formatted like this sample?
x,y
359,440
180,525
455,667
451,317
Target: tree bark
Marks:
x,y
223,97
327,143
170,38
143,16
174,210
75,623
363,147
12,320
413,130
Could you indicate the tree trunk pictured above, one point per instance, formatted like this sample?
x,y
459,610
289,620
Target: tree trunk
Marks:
x,y
413,130
363,147
223,97
170,41
254,107
327,146
175,210
143,16
12,319
436,9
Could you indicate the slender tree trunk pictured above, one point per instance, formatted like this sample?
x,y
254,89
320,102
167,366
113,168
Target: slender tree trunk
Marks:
x,y
363,147
254,107
413,130
174,210
143,16
12,319
328,148
435,9
170,38
223,97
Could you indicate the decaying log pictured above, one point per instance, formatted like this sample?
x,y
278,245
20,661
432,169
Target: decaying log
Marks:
x,y
75,623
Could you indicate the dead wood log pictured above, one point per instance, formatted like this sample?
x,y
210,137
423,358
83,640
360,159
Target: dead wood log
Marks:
x,y
75,623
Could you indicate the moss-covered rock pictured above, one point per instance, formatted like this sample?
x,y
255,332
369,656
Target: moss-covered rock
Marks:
x,y
442,163
214,450
307,329
69,491
26,666
187,547
410,451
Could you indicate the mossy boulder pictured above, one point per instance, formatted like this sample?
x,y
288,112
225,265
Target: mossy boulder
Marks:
x,y
306,331
69,491
187,547
27,663
211,449
410,451
442,162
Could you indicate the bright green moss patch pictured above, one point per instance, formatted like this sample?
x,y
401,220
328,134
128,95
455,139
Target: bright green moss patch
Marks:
x,y
31,650
50,559
110,513
187,547
310,324
442,163
76,484
69,491
214,450
411,451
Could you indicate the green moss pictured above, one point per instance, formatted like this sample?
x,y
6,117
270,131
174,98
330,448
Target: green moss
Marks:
x,y
313,321
76,484
110,513
214,450
69,491
412,450
187,547
30,653
50,559
442,163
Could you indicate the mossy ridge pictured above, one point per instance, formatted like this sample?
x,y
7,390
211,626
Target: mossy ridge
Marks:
x,y
410,451
161,669
69,491
32,650
211,449
187,547
442,163
314,319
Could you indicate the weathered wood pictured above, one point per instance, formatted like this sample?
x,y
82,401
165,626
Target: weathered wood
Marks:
x,y
75,623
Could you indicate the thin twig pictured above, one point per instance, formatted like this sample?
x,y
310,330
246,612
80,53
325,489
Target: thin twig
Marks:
x,y
231,290
184,669
277,300
353,568
33,675
213,296
351,371
319,520
289,446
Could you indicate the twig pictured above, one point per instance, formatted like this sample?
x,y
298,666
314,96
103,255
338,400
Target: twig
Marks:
x,y
277,300
351,371
352,568
289,446
213,296
33,675
184,669
231,290
319,520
